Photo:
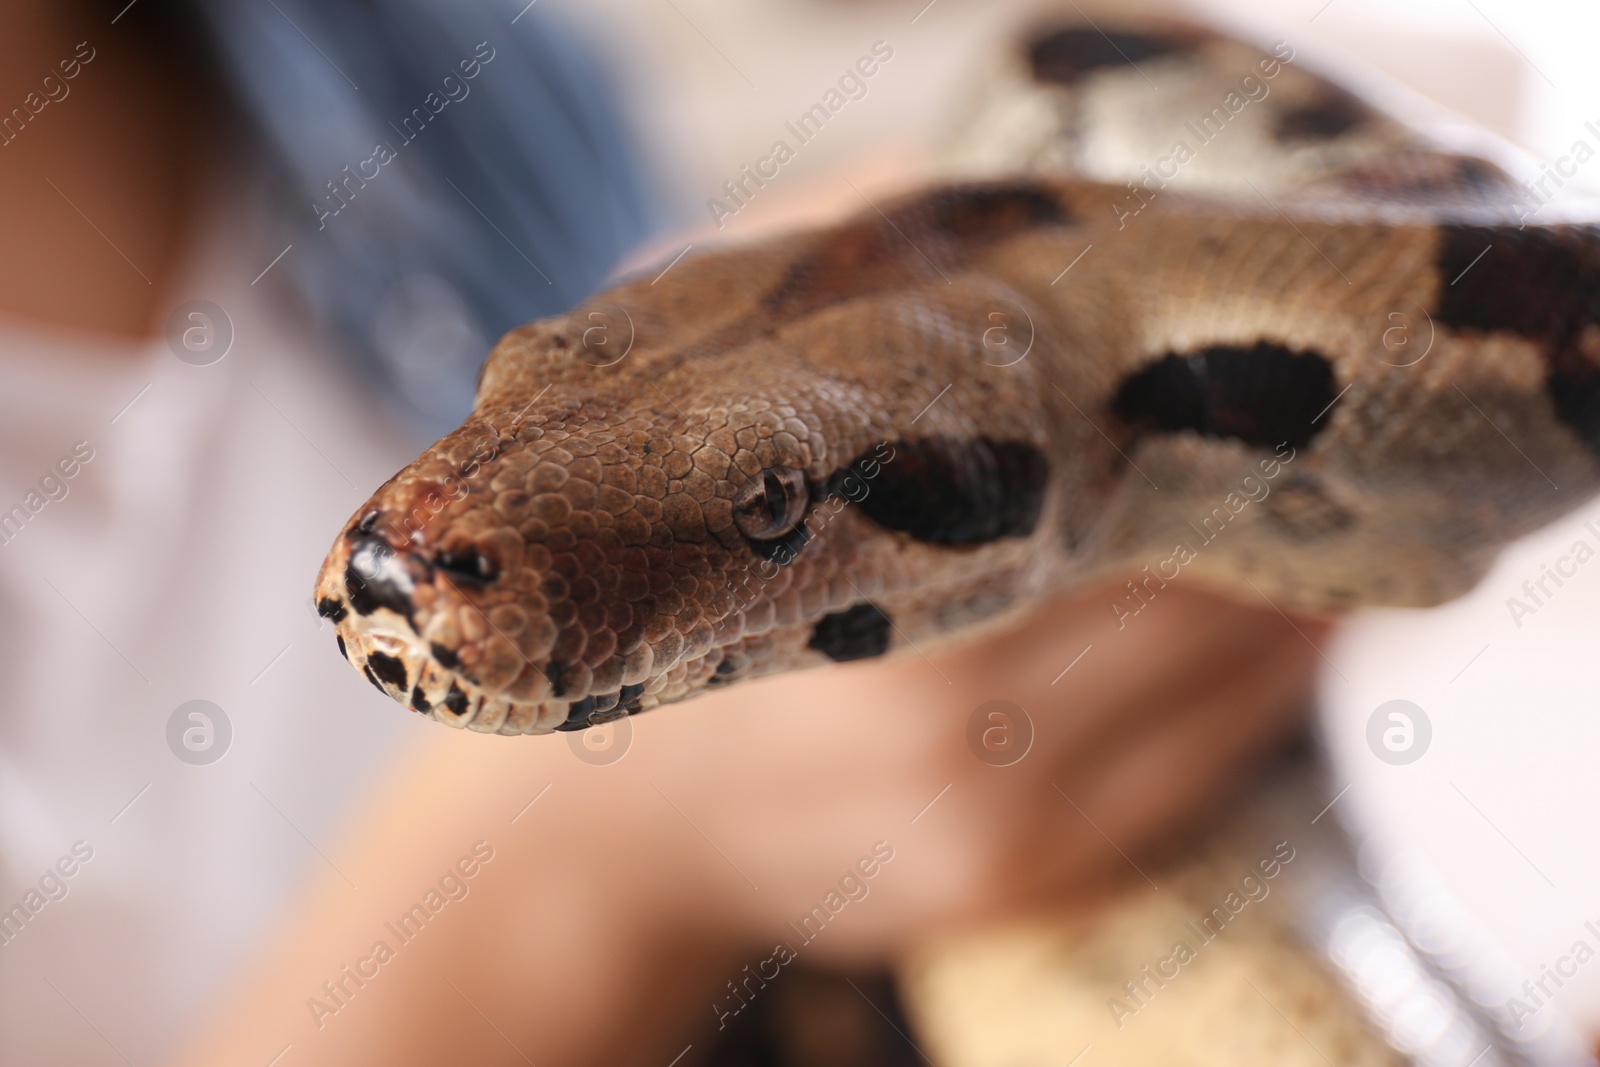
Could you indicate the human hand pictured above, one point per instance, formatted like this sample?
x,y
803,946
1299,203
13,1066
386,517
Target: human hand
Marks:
x,y
635,890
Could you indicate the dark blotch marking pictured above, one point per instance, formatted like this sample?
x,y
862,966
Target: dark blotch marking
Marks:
x,y
389,668
1263,395
1542,283
373,678
913,241
1539,282
1334,115
1066,55
1476,175
555,671
339,640
948,491
331,609
861,632
607,708
724,672
384,589
631,693
578,715
418,701
456,700
444,657
985,213
1429,179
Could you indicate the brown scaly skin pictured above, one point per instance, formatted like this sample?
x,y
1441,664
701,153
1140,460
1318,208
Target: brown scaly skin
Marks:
x,y
576,538
616,526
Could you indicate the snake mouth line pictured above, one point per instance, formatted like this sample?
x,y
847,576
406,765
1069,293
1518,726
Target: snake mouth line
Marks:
x,y
405,672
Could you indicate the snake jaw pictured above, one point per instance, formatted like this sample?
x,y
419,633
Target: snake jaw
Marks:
x,y
405,621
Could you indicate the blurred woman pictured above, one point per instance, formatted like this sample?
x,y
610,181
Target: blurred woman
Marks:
x,y
221,323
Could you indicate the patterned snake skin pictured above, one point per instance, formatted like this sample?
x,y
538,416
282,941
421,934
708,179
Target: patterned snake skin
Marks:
x,y
1080,355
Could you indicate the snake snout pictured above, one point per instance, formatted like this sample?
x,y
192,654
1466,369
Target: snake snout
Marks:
x,y
555,569
376,576
467,622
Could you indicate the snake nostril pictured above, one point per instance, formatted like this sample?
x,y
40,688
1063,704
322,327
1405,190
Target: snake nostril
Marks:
x,y
469,564
374,577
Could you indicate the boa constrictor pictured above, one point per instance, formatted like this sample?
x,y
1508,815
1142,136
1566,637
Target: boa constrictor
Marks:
x,y
1164,266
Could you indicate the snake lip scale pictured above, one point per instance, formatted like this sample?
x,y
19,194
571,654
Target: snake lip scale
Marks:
x,y
810,450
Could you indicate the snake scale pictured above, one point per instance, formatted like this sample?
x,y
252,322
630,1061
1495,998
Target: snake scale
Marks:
x,y
833,444
1160,268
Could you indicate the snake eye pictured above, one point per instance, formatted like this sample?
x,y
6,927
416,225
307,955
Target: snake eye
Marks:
x,y
771,504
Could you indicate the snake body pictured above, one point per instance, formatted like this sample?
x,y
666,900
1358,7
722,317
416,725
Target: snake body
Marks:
x,y
1056,366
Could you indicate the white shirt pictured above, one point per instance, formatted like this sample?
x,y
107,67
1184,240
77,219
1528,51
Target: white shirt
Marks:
x,y
178,566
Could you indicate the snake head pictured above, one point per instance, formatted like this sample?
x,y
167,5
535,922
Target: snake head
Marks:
x,y
541,579
740,491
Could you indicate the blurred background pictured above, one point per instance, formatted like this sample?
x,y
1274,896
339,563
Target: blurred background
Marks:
x,y
307,346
